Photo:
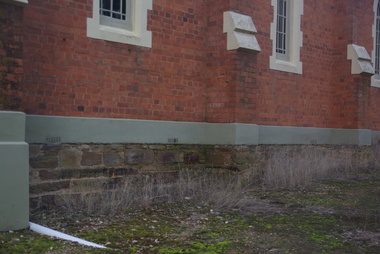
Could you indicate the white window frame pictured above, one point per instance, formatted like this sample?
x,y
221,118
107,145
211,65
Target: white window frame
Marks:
x,y
290,61
17,2
375,79
134,33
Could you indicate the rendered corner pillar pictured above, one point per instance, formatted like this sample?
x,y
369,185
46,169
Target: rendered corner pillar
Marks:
x,y
14,172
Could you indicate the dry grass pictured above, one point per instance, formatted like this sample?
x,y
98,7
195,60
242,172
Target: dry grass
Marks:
x,y
297,167
220,190
287,167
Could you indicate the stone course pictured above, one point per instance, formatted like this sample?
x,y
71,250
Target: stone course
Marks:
x,y
59,168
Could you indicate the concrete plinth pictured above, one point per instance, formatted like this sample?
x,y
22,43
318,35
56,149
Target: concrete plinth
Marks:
x,y
14,172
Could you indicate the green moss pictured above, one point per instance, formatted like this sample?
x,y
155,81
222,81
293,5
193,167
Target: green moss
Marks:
x,y
198,247
312,221
22,242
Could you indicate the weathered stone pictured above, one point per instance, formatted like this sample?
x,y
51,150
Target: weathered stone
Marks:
x,y
48,187
148,169
49,175
224,149
165,177
47,202
191,158
242,157
34,203
51,149
69,173
94,172
89,167
113,148
34,150
44,162
121,171
34,176
157,147
112,159
170,157
83,185
70,157
219,158
139,157
135,146
91,159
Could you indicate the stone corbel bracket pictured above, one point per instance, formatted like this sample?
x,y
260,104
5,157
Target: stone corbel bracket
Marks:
x,y
240,31
361,61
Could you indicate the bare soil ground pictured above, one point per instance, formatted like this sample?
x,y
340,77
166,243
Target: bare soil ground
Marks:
x,y
332,216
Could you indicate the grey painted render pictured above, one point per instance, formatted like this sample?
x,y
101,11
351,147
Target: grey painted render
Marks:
x,y
14,172
12,126
309,135
55,129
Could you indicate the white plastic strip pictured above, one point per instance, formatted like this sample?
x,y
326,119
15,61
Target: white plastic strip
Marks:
x,y
50,232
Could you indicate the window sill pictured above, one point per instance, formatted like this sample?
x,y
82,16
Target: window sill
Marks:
x,y
280,65
375,82
107,33
17,2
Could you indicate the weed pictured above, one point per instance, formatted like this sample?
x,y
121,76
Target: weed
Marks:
x,y
221,191
297,167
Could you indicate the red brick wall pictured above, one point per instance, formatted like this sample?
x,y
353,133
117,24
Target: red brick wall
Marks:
x,y
68,74
221,73
188,75
11,63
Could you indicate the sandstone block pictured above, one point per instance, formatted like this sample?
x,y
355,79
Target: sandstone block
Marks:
x,y
48,187
121,171
91,159
170,156
112,159
191,158
70,157
219,158
139,157
44,162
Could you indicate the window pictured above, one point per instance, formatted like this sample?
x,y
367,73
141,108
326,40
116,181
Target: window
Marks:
x,y
282,30
286,36
116,13
375,80
123,21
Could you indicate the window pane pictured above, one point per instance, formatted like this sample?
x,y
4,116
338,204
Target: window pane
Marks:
x,y
124,7
280,4
282,29
116,9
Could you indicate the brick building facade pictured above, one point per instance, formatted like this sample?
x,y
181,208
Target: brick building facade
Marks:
x,y
187,73
108,90
11,59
